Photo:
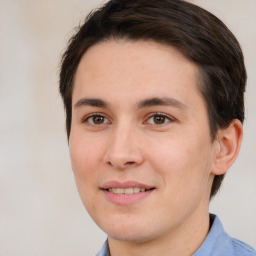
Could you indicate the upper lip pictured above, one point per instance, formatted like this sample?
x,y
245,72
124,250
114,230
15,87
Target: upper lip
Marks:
x,y
127,184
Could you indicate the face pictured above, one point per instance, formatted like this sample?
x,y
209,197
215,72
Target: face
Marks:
x,y
140,142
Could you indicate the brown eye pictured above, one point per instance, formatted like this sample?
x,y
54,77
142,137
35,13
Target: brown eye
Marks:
x,y
96,120
159,119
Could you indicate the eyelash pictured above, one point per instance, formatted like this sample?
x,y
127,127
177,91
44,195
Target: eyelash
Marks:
x,y
167,118
94,115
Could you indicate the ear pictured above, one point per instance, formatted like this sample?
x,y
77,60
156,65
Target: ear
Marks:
x,y
228,145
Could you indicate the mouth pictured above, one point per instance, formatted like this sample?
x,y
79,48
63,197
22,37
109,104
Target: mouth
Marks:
x,y
126,193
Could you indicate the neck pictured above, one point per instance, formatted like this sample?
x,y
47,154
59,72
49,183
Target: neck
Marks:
x,y
184,240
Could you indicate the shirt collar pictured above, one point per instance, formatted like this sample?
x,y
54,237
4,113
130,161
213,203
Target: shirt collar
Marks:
x,y
215,237
104,251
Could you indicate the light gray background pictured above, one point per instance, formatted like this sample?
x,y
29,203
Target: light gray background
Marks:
x,y
40,210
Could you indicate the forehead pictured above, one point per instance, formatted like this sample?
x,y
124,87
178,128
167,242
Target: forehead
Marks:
x,y
124,69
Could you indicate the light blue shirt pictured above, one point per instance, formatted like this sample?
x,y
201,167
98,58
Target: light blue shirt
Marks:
x,y
217,243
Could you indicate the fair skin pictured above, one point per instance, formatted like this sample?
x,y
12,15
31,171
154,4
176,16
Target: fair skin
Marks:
x,y
139,121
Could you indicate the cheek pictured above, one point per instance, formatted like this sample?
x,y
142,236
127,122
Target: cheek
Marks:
x,y
85,155
84,158
184,164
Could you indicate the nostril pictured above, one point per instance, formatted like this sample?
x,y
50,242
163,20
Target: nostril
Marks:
x,y
129,163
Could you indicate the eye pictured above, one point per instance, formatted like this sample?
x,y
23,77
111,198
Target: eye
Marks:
x,y
159,119
96,119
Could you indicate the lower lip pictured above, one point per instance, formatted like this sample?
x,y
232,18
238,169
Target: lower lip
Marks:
x,y
126,198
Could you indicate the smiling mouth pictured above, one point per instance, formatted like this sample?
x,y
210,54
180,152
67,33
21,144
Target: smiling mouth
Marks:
x,y
127,191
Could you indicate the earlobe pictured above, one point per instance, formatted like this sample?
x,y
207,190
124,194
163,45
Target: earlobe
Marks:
x,y
228,145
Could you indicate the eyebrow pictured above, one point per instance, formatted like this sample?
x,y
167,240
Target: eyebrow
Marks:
x,y
150,102
93,102
165,101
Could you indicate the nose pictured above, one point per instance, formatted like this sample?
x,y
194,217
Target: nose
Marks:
x,y
124,149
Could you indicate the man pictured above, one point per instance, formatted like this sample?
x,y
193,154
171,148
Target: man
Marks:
x,y
153,93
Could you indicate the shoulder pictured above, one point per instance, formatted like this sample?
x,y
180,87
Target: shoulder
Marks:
x,y
219,243
240,248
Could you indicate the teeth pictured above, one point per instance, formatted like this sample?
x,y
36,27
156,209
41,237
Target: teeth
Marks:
x,y
136,190
116,190
127,191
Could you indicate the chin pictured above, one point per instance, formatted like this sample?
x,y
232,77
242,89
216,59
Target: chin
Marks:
x,y
129,231
134,236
